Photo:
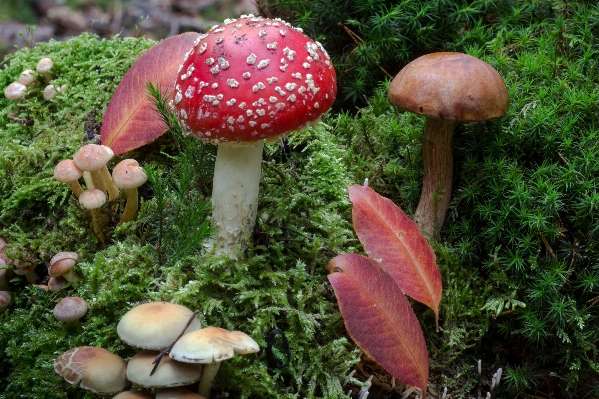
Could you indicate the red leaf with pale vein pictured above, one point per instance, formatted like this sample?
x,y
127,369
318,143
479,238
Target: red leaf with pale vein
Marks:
x,y
379,318
392,238
130,120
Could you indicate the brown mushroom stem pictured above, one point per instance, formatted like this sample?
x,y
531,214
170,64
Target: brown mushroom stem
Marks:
x,y
106,179
208,373
235,195
131,206
438,176
75,187
97,225
89,184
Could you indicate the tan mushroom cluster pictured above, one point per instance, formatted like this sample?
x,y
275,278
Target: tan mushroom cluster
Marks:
x,y
30,78
90,163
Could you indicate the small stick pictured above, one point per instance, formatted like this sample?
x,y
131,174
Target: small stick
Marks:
x,y
22,121
158,358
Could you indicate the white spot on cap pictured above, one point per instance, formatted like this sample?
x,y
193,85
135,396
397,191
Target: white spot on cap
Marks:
x,y
272,99
242,105
263,64
271,80
224,64
272,46
231,120
219,39
263,32
240,119
283,67
218,30
214,69
258,86
249,112
214,85
316,105
232,83
252,123
265,125
209,61
290,86
280,91
178,97
209,98
306,65
283,32
183,114
202,48
260,112
251,59
189,91
296,75
291,98
246,75
280,106
231,102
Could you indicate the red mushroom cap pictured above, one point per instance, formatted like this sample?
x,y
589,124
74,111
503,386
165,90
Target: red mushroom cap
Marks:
x,y
253,78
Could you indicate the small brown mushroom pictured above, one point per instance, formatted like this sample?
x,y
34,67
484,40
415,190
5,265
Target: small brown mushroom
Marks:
x,y
169,372
446,88
70,309
5,299
97,369
62,264
93,158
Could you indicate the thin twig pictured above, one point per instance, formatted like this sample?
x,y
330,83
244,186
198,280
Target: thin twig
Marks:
x,y
158,358
358,40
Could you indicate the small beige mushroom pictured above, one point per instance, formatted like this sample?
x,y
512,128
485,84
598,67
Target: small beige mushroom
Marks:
x,y
44,66
70,309
128,175
56,283
93,158
210,346
169,372
93,200
52,91
15,91
67,172
97,369
155,325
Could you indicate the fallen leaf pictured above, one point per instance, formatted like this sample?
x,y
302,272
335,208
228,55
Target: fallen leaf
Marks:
x,y
392,238
379,318
130,120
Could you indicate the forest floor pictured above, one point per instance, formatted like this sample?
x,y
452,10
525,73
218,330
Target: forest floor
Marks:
x,y
24,23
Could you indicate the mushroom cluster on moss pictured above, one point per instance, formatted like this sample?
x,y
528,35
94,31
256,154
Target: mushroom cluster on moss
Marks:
x,y
91,163
244,81
15,91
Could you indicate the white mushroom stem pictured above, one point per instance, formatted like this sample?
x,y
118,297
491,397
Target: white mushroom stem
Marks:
x,y
438,175
235,195
131,206
208,373
89,184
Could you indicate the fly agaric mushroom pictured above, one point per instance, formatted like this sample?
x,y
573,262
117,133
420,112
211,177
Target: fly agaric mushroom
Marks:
x,y
128,175
210,346
446,88
62,264
97,369
169,372
244,81
92,200
15,91
67,172
155,325
44,66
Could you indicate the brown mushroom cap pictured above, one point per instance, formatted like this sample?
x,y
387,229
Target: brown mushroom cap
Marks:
x,y
127,174
212,344
97,369
155,325
62,263
450,86
169,372
70,309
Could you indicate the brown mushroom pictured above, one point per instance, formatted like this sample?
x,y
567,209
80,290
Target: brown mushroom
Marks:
x,y
128,175
67,172
62,264
446,88
97,369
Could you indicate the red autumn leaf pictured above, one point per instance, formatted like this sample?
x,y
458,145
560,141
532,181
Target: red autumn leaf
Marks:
x,y
379,318
130,120
392,238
